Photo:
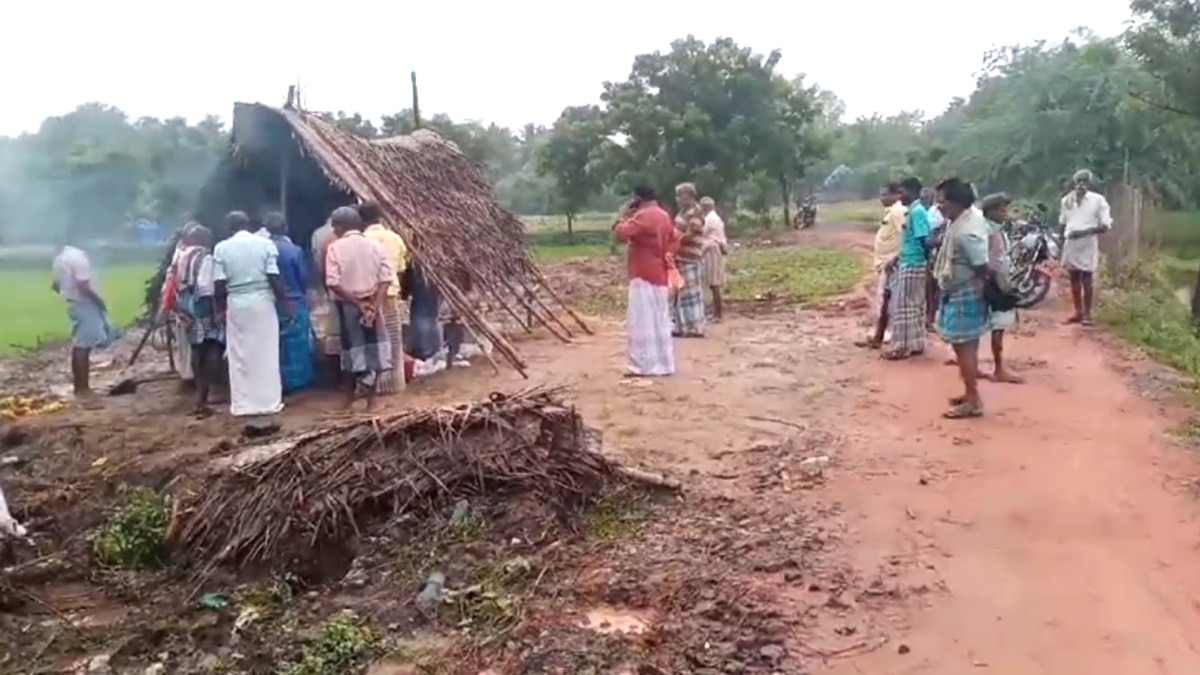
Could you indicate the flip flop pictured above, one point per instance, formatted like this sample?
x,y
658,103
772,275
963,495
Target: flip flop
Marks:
x,y
955,401
1008,378
1074,319
963,411
894,356
868,344
1087,321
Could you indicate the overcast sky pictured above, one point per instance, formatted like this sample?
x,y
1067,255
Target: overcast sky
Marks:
x,y
509,62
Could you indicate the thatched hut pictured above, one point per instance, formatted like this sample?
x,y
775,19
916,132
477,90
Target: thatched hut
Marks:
x,y
430,192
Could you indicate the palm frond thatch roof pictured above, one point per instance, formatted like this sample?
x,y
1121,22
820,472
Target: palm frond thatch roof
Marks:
x,y
432,194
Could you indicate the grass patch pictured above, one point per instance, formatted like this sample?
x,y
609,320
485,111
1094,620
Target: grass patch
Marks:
x,y
792,273
343,643
135,535
867,211
1144,310
619,514
35,314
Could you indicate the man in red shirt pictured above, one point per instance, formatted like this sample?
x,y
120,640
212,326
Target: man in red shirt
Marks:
x,y
650,233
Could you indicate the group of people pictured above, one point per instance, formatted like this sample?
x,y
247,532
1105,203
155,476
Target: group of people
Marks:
x,y
252,311
255,308
943,263
671,262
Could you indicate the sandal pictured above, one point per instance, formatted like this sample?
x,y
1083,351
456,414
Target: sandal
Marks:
x,y
956,400
964,410
1086,321
1004,378
895,356
1074,319
869,343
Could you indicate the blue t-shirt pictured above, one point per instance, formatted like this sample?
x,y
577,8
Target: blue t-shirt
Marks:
x,y
916,231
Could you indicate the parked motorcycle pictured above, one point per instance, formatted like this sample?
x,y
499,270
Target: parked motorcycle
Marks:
x,y
806,218
1033,256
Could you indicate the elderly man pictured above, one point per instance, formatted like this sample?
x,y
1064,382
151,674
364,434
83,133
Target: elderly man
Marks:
x,y
1084,215
716,247
887,245
247,291
358,275
75,283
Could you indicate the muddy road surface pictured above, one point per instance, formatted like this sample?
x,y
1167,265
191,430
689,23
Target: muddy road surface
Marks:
x,y
832,520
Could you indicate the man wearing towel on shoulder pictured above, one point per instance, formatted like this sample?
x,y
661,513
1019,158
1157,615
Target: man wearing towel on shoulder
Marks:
x,y
1084,215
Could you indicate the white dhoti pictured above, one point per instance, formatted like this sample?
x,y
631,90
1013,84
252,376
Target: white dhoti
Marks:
x,y
648,327
1082,254
252,347
183,350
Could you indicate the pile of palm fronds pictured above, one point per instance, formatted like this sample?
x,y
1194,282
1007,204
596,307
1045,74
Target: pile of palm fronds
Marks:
x,y
326,485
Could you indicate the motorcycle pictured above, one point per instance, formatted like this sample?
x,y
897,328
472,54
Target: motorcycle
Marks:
x,y
806,217
1033,256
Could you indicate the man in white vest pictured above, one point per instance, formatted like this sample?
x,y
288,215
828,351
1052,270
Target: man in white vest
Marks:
x,y
1084,215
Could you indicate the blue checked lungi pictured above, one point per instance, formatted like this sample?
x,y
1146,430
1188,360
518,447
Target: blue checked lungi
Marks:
x,y
687,304
963,315
296,367
90,328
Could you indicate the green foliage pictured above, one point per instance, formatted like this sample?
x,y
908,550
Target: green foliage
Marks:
x,y
135,535
90,172
343,643
570,156
1166,40
710,114
1144,309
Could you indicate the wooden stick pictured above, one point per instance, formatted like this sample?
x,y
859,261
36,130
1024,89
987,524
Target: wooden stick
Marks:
x,y
639,476
141,345
546,285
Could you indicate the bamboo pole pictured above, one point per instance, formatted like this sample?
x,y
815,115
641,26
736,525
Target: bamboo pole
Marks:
x,y
416,104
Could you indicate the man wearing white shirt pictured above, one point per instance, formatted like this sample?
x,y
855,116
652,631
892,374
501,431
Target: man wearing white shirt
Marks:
x,y
715,249
1084,215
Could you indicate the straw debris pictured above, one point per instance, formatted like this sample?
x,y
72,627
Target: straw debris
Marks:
x,y
325,486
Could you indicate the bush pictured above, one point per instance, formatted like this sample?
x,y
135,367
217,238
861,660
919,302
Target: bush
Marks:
x,y
343,643
1143,308
135,535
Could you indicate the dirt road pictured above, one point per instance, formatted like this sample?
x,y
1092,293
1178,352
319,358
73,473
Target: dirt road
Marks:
x,y
1056,535
1053,534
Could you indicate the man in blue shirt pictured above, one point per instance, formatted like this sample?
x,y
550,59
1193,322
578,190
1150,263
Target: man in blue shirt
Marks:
x,y
296,365
907,313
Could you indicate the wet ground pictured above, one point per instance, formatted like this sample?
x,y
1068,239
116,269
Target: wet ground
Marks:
x,y
831,508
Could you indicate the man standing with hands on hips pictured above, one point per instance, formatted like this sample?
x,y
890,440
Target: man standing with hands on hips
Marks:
x,y
1084,215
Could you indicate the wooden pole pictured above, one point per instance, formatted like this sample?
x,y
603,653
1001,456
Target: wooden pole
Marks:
x,y
416,105
283,180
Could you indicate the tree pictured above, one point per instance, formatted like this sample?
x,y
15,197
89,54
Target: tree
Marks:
x,y
569,157
788,142
696,113
1166,40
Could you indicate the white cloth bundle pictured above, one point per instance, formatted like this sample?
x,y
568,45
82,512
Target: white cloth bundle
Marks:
x,y
8,526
